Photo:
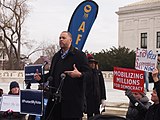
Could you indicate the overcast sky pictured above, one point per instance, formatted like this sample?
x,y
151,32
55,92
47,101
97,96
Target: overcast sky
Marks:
x,y
49,17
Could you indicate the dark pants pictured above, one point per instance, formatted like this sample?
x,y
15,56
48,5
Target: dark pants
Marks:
x,y
89,115
31,117
92,108
53,112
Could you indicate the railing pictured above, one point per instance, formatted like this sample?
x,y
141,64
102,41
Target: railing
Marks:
x,y
7,75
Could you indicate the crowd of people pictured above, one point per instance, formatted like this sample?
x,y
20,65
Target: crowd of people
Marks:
x,y
79,88
140,108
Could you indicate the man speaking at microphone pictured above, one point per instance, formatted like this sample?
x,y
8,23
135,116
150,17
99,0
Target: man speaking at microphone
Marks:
x,y
74,64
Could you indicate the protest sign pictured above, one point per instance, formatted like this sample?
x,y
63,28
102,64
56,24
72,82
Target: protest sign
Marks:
x,y
124,78
30,70
31,101
10,102
146,60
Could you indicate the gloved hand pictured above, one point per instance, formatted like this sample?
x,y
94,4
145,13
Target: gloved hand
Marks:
x,y
8,113
128,92
130,95
104,103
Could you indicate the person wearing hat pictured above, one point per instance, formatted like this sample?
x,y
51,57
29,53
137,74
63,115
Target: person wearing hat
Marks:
x,y
10,114
138,105
14,88
95,89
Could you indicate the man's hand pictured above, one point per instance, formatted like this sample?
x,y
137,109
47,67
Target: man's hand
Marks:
x,y
74,73
128,92
37,75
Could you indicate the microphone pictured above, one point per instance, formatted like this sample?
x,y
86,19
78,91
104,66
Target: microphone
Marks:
x,y
45,63
57,96
63,76
50,78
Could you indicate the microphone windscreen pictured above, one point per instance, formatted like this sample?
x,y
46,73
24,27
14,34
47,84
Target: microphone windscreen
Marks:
x,y
63,76
45,62
50,78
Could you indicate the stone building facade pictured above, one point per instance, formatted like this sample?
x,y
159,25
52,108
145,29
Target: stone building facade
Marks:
x,y
139,25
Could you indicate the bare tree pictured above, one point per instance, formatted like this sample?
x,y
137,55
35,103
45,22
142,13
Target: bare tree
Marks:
x,y
42,50
38,49
51,50
12,14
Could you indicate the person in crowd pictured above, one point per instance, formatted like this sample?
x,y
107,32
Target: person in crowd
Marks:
x,y
1,92
154,110
95,89
14,88
138,105
10,114
68,68
146,77
158,64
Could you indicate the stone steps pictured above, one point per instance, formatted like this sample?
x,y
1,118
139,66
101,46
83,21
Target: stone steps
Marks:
x,y
118,109
115,109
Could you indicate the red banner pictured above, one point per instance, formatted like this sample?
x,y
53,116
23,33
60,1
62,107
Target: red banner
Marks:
x,y
124,78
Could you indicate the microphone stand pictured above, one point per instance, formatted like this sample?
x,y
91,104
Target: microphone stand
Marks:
x,y
57,96
43,81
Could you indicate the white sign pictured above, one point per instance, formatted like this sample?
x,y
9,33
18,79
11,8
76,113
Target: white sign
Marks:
x,y
10,102
146,60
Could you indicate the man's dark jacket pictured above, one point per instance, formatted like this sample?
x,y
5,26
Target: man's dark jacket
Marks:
x,y
72,102
95,91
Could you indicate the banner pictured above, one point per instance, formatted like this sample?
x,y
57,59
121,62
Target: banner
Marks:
x,y
146,60
31,102
82,21
128,78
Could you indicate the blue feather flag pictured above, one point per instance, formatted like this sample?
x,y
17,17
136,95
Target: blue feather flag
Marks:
x,y
82,21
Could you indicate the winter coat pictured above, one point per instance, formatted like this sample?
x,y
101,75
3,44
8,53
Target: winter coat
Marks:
x,y
95,91
153,112
138,112
72,92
